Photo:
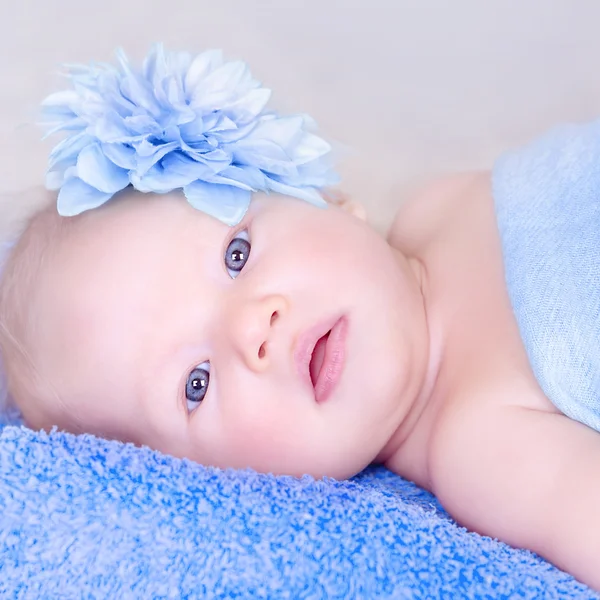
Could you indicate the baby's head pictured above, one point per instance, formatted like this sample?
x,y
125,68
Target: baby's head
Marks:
x,y
273,334
148,321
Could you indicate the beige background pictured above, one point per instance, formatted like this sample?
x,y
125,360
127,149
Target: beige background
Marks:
x,y
411,89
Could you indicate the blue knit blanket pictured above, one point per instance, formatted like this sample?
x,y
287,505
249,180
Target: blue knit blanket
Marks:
x,y
82,517
547,199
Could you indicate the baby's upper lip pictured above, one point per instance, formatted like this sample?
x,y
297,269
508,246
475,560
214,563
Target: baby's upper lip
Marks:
x,y
305,346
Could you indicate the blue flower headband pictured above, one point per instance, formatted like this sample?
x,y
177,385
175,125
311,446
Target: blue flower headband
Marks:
x,y
196,123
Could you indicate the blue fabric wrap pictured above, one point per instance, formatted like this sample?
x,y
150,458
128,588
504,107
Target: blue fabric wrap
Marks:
x,y
82,517
547,199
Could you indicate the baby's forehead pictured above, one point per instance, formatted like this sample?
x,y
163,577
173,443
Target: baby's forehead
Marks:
x,y
135,216
120,250
129,246
142,231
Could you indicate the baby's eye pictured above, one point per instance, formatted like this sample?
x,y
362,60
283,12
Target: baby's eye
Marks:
x,y
197,385
237,253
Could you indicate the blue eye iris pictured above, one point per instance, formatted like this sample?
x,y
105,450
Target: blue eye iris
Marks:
x,y
197,385
237,254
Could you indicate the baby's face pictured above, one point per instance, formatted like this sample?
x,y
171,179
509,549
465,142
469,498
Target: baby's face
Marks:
x,y
159,325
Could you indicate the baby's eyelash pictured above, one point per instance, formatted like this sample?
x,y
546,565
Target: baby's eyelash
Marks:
x,y
196,386
237,253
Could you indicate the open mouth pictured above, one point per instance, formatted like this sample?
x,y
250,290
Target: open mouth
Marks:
x,y
320,357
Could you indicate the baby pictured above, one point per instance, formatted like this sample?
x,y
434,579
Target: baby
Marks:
x,y
191,297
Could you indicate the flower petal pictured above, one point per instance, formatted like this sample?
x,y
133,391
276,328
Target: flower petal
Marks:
x,y
193,130
123,155
264,155
309,194
219,86
224,124
149,154
174,171
137,90
230,136
248,178
63,100
100,173
202,65
284,131
310,147
155,64
187,167
141,124
226,203
216,160
248,107
76,124
76,197
54,179
65,153
110,128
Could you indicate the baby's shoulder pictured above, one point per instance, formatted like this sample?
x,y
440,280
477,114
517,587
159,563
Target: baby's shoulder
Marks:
x,y
426,211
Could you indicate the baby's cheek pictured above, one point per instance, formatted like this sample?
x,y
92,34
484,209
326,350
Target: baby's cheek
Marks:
x,y
249,428
255,431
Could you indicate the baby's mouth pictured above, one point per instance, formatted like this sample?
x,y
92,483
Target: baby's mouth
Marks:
x,y
318,358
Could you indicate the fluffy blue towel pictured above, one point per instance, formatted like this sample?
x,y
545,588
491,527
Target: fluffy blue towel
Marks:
x,y
548,208
86,518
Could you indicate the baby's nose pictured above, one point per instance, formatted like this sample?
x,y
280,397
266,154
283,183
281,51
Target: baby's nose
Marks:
x,y
252,327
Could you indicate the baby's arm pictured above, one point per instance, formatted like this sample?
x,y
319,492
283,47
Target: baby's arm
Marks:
x,y
529,478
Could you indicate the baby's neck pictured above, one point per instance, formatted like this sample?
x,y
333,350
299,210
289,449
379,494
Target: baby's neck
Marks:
x,y
413,426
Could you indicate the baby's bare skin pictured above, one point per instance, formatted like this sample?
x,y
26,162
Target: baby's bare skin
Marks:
x,y
488,443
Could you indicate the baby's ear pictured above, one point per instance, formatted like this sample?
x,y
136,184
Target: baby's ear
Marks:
x,y
343,201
